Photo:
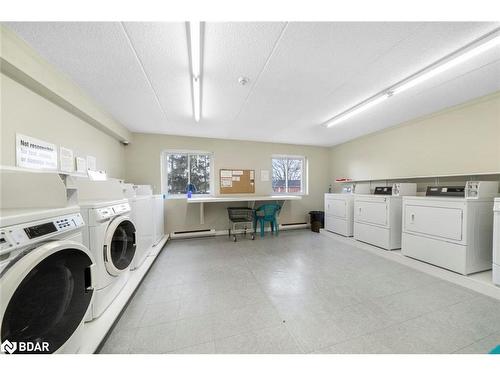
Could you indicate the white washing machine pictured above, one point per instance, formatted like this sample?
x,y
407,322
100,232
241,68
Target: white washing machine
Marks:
x,y
158,222
496,242
339,209
451,227
110,235
377,217
141,213
46,277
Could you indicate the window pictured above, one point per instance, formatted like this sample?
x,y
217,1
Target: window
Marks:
x,y
289,174
186,170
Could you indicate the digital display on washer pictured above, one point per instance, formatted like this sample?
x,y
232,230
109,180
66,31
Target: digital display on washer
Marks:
x,y
450,191
383,190
40,230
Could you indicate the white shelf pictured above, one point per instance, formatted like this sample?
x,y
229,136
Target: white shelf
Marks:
x,y
420,177
244,198
239,198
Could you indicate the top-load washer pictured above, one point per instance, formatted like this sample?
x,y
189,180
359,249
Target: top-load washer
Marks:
x,y
46,273
496,242
452,226
141,213
377,217
339,209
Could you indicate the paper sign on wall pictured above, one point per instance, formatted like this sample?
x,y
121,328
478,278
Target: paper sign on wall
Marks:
x,y
81,165
66,160
237,173
226,182
225,173
264,175
91,163
35,153
236,178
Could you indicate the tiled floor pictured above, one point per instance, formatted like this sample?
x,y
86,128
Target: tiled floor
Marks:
x,y
300,292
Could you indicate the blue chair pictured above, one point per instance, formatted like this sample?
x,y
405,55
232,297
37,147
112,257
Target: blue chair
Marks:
x,y
267,213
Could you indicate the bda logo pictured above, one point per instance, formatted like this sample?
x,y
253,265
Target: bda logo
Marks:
x,y
8,347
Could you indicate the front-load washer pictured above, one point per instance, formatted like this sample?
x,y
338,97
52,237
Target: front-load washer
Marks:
x,y
377,217
110,236
339,209
46,277
451,227
496,242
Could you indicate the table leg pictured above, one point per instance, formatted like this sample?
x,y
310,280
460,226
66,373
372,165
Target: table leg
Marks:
x,y
202,213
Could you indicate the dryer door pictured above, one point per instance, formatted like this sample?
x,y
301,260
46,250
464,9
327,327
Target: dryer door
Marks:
x,y
119,245
45,295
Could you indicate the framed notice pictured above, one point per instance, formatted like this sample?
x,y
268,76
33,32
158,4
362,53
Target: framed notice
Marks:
x,y
66,160
34,153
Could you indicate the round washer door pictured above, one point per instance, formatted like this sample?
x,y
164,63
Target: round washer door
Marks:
x,y
119,245
46,294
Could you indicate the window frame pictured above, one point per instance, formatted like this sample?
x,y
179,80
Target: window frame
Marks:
x,y
189,153
304,187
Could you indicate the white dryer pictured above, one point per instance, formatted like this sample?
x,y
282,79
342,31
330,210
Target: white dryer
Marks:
x,y
158,222
451,227
377,217
46,277
110,236
496,243
141,213
339,209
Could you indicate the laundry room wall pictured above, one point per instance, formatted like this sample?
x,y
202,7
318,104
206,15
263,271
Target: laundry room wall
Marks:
x,y
463,140
143,167
41,102
25,112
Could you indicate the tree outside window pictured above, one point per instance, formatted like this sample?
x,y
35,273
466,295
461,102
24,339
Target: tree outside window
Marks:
x,y
187,171
288,174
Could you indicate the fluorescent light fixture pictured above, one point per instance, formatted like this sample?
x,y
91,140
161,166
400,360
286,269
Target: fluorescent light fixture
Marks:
x,y
447,63
194,34
195,46
196,98
358,109
412,82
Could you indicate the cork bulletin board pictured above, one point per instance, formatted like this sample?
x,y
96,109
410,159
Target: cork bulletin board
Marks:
x,y
237,181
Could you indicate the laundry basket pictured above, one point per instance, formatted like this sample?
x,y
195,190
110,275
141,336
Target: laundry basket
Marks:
x,y
241,219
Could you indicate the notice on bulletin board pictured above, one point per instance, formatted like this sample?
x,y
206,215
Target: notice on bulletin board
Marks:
x,y
34,153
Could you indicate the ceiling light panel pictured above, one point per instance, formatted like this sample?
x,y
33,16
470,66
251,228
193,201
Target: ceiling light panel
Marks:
x,y
161,47
97,56
231,50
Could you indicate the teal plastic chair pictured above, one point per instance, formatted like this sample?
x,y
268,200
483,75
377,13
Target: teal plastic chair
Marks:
x,y
267,213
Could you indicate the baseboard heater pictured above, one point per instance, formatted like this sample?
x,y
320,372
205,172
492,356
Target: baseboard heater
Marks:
x,y
294,226
192,234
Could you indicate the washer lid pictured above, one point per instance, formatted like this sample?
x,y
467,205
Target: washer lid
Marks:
x,y
45,296
119,245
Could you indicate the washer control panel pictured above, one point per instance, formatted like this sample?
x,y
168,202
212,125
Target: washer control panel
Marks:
x,y
17,236
121,208
104,213
481,189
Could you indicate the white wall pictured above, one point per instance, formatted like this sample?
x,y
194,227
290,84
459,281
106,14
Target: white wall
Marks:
x,y
143,166
24,111
463,140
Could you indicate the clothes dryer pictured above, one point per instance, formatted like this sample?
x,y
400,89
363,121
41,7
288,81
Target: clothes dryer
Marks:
x,y
451,227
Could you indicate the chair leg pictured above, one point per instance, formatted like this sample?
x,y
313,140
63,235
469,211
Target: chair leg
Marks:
x,y
262,228
276,226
